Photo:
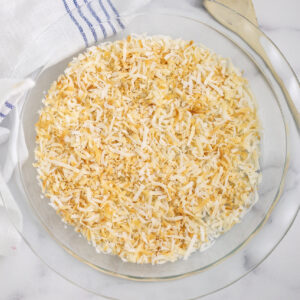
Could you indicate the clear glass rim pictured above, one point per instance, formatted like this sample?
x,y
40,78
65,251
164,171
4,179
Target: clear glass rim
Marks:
x,y
182,275
241,245
278,194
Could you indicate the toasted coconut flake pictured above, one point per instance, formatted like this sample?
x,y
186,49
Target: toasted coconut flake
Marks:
x,y
149,147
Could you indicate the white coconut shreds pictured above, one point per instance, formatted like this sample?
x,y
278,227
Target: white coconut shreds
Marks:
x,y
149,147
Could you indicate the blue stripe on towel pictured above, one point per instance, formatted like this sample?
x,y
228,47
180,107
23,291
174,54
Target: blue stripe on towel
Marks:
x,y
9,105
96,17
116,13
107,16
86,21
2,115
75,22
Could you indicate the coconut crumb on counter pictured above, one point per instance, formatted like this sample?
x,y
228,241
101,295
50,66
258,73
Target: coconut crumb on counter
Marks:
x,y
149,147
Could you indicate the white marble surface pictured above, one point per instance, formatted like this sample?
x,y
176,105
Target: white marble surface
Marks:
x,y
24,277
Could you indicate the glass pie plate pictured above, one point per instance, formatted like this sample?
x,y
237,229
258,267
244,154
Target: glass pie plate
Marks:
x,y
233,254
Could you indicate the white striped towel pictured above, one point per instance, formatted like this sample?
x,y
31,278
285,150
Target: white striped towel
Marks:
x,y
40,29
31,31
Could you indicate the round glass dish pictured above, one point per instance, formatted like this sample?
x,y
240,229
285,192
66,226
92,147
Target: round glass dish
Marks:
x,y
48,237
273,148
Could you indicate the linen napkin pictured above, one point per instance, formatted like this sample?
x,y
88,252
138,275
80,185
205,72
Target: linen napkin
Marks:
x,y
36,34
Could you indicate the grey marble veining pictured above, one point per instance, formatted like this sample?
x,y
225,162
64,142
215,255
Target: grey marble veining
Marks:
x,y
25,277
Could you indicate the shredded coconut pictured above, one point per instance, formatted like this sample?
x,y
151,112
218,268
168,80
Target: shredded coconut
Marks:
x,y
149,147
